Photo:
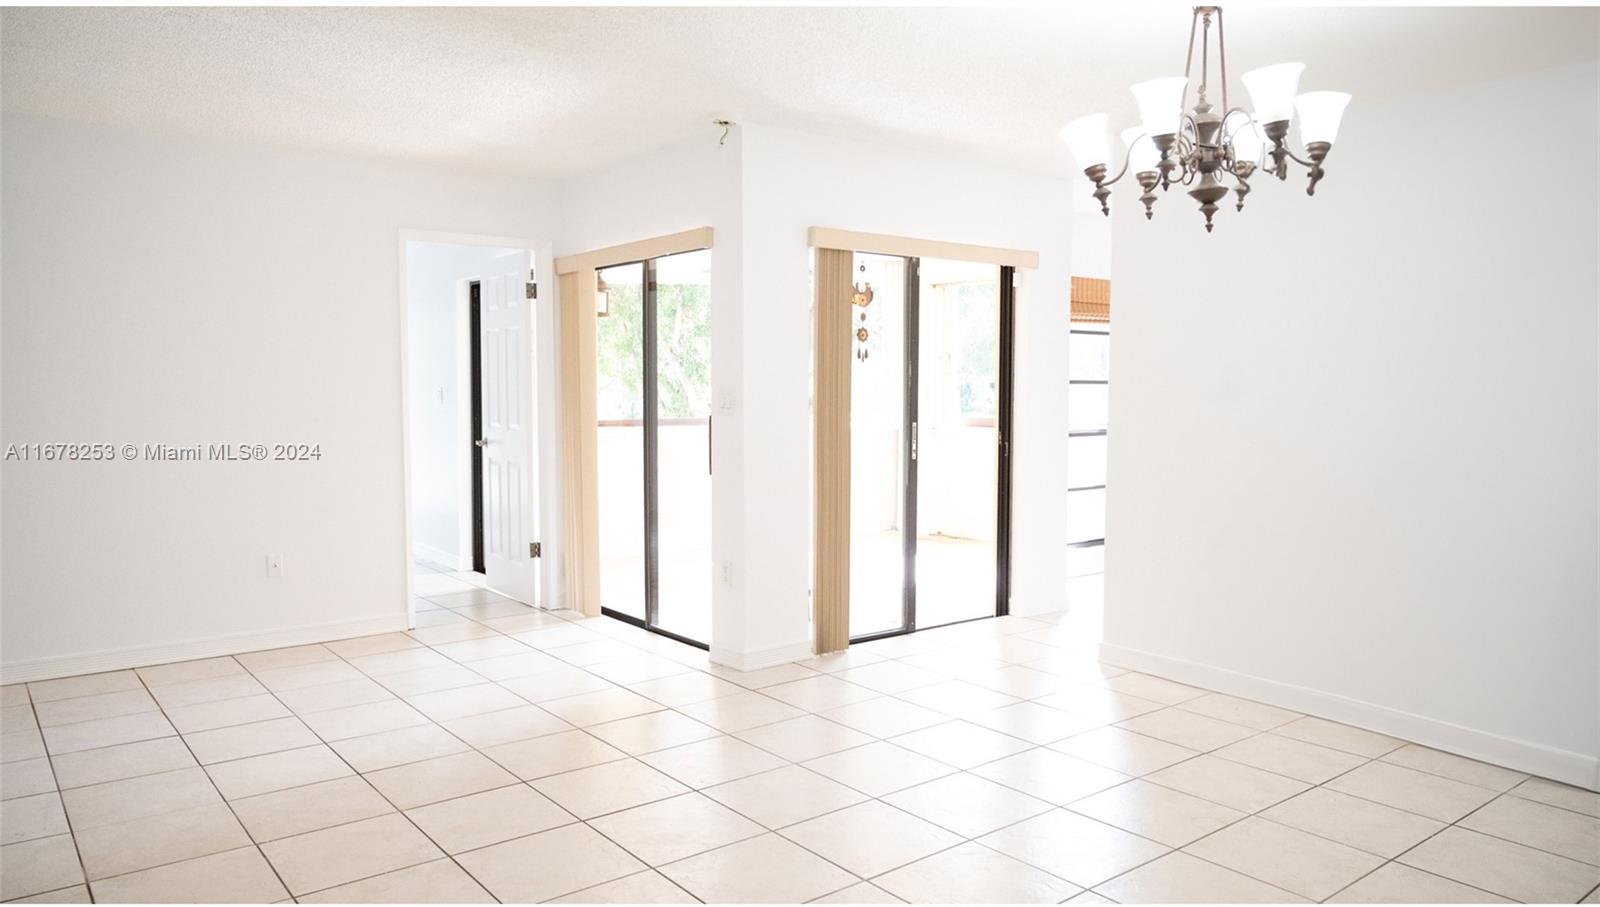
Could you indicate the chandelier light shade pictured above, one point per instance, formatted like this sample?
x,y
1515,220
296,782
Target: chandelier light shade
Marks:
x,y
1161,104
1086,137
1204,147
1272,90
1320,113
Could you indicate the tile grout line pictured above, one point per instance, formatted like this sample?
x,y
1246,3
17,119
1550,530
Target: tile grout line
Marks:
x,y
61,800
1396,857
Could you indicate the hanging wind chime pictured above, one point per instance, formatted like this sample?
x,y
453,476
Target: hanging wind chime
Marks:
x,y
861,296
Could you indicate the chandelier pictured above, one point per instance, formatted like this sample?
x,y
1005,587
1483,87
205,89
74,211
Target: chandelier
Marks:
x,y
1198,146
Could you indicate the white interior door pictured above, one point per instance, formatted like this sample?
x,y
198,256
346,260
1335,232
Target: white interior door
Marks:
x,y
510,467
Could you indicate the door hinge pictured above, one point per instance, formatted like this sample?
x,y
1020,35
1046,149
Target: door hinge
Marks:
x,y
534,549
533,290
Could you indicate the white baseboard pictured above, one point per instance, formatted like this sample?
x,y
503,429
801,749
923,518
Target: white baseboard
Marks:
x,y
761,658
1522,755
145,656
1022,606
440,556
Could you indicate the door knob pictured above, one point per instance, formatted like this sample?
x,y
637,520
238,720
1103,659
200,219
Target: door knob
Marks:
x,y
481,442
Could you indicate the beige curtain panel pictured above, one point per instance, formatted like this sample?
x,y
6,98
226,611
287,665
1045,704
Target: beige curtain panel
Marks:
x,y
831,457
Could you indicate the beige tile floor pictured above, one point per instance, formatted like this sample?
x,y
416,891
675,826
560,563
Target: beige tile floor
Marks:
x,y
497,752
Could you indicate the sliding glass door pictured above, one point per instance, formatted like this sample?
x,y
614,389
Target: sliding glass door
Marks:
x,y
881,479
653,407
682,450
957,441
619,448
929,443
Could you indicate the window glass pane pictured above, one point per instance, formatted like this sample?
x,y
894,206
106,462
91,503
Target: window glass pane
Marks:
x,y
683,444
1086,406
1086,461
877,442
619,438
1086,515
958,322
1089,356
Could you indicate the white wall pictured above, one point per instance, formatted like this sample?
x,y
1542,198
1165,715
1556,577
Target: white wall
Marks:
x,y
793,181
440,401
1091,236
158,290
1355,435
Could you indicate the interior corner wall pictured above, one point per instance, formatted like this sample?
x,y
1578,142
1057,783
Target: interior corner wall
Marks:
x,y
1356,434
440,396
166,291
1091,240
793,181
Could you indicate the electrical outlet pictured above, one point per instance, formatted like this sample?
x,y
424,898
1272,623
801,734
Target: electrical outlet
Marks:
x,y
727,573
274,565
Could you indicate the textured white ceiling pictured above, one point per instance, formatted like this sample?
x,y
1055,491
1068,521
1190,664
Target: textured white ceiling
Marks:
x,y
555,91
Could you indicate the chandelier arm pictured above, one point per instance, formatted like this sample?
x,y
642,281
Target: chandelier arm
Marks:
x,y
1296,158
1249,123
1179,154
1231,111
1127,158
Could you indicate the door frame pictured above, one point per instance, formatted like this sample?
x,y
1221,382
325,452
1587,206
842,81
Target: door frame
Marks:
x,y
544,375
1005,342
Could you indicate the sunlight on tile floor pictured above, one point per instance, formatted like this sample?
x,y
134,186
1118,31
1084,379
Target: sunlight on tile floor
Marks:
x,y
499,752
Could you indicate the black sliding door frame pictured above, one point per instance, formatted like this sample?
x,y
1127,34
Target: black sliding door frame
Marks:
x,y
1006,341
908,521
652,453
475,357
652,467
1006,407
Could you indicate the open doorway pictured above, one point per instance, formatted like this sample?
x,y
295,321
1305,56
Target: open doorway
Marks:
x,y
472,462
